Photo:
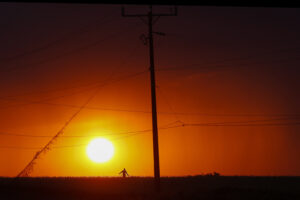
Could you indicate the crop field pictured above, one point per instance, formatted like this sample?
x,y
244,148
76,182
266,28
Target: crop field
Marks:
x,y
196,187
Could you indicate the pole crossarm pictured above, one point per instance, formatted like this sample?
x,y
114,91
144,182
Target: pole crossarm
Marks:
x,y
174,13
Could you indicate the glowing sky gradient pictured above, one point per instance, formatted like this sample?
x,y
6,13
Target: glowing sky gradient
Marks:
x,y
215,64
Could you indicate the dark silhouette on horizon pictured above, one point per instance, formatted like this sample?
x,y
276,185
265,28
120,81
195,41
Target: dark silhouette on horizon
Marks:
x,y
124,173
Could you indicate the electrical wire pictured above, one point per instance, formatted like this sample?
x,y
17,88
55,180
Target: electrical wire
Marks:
x,y
255,125
78,136
44,101
65,37
131,133
49,90
134,133
179,123
29,167
77,50
213,64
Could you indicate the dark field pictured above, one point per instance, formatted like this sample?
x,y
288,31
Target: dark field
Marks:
x,y
196,187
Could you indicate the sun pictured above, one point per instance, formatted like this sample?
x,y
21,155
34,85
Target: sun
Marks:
x,y
100,150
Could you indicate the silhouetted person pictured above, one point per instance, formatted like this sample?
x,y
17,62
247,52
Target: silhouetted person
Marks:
x,y
124,173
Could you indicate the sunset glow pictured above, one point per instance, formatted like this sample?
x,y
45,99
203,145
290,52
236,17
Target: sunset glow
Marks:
x,y
75,84
100,150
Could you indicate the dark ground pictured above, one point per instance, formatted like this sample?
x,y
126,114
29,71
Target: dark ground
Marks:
x,y
196,187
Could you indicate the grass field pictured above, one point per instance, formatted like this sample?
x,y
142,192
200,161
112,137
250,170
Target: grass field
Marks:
x,y
196,187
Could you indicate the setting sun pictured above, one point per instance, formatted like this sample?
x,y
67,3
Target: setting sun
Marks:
x,y
100,150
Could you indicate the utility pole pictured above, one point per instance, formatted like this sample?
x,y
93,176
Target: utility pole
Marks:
x,y
149,38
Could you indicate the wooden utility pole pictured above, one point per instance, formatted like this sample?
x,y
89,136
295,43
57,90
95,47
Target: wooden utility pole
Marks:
x,y
150,23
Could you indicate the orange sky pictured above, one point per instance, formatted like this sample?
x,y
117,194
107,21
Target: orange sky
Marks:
x,y
227,74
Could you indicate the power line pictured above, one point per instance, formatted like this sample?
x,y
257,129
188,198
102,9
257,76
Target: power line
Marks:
x,y
148,112
129,134
51,44
80,136
44,101
28,102
134,133
82,48
234,123
253,121
223,66
62,89
29,167
49,91
61,96
235,115
142,111
65,136
237,125
250,123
